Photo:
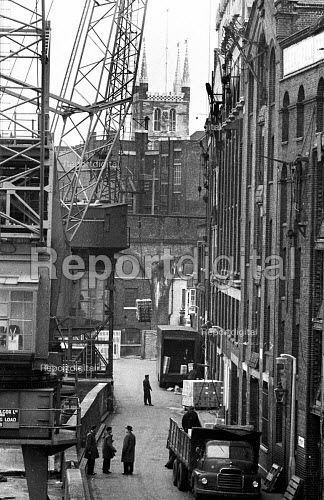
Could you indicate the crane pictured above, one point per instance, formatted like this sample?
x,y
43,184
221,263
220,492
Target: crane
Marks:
x,y
88,116
94,103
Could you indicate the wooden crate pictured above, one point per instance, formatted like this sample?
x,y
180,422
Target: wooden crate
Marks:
x,y
202,393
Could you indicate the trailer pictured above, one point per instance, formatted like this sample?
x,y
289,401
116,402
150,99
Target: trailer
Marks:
x,y
218,462
178,349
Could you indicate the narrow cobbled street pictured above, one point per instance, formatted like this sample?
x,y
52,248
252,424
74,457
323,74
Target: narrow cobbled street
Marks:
x,y
151,480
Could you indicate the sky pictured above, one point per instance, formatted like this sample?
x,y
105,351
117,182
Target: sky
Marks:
x,y
168,23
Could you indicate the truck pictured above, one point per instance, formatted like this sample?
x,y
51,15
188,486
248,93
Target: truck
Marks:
x,y
178,347
219,462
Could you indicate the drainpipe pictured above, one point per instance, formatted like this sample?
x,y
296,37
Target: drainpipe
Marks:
x,y
292,463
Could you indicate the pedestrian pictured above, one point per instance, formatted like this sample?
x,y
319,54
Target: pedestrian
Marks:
x,y
91,450
147,391
128,451
108,450
190,419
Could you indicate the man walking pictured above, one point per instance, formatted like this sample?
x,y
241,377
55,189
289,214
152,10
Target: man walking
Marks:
x,y
128,451
147,391
91,450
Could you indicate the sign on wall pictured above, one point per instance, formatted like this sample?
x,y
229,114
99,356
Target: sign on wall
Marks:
x,y
303,54
9,417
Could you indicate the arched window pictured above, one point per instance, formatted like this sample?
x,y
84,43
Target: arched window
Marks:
x,y
300,112
320,106
262,71
172,120
272,78
285,118
157,120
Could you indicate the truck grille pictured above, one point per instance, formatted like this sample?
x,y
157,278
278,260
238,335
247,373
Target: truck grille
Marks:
x,y
231,480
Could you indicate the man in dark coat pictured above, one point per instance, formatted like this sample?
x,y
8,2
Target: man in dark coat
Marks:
x,y
108,450
147,391
190,419
91,450
128,451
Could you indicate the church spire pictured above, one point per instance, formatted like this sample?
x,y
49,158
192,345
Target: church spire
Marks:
x,y
177,79
186,78
143,76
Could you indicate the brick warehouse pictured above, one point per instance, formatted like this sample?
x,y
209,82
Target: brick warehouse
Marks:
x,y
264,239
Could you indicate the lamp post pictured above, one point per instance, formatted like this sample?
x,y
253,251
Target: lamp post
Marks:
x,y
292,464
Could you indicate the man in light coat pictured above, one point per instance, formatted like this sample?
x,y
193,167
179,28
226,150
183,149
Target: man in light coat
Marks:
x,y
128,451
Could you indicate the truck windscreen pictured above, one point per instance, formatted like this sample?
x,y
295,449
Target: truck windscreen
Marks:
x,y
235,450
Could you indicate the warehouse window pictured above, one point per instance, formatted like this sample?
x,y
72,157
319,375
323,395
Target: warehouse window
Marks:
x,y
320,106
177,175
176,203
157,120
251,90
272,78
172,120
285,118
265,415
131,294
300,112
17,322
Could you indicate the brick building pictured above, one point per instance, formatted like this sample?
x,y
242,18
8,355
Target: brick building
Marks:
x,y
264,241
159,166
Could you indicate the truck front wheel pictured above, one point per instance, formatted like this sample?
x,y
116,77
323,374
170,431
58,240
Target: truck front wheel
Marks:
x,y
182,477
175,472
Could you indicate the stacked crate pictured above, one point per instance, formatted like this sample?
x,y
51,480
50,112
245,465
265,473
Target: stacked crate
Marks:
x,y
144,310
202,393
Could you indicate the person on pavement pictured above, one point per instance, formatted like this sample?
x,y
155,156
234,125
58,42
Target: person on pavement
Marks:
x,y
108,450
147,391
190,419
91,450
128,451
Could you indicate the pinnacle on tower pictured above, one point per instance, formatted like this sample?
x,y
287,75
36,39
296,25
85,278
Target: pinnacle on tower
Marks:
x,y
186,78
143,76
177,80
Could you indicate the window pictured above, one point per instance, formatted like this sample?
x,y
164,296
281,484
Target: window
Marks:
x,y
131,294
285,118
262,71
157,120
265,414
177,175
251,91
172,120
176,203
17,321
320,106
300,112
272,78
131,336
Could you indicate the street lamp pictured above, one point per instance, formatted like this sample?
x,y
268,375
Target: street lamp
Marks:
x,y
292,464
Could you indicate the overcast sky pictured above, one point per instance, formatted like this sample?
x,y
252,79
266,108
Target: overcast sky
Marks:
x,y
168,22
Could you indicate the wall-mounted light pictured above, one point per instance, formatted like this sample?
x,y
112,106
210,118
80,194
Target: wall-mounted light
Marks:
x,y
279,393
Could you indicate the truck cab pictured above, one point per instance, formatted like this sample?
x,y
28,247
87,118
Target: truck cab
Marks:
x,y
226,468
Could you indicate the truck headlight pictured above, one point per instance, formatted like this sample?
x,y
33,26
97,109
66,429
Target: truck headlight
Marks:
x,y
204,480
255,484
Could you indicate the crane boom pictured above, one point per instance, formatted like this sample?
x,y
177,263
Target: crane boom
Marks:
x,y
94,103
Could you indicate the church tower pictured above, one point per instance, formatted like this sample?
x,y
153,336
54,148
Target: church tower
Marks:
x,y
164,115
